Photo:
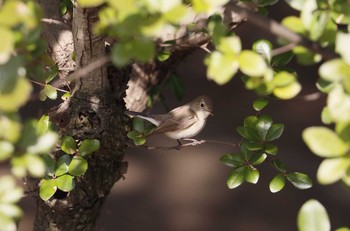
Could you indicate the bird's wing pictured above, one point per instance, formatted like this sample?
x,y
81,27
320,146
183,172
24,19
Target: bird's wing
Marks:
x,y
176,121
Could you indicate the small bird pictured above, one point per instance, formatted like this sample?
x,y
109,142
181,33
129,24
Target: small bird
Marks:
x,y
182,122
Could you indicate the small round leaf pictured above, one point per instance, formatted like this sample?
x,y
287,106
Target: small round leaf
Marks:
x,y
89,146
78,166
313,217
277,183
47,189
68,145
260,104
62,165
65,183
299,180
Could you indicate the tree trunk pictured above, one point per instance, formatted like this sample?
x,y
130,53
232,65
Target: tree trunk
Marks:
x,y
93,111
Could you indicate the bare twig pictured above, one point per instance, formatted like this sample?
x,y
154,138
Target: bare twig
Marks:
x,y
43,84
281,31
54,21
283,49
180,146
85,70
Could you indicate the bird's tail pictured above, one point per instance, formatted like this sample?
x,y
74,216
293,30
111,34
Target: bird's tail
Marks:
x,y
142,116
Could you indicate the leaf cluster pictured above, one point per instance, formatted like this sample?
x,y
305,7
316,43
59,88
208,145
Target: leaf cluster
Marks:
x,y
258,132
60,174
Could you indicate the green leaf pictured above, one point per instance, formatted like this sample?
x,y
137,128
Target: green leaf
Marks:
x,y
139,124
299,180
7,223
334,70
252,64
164,55
313,217
10,210
35,165
277,183
50,91
44,144
326,116
282,59
68,145
11,102
66,96
89,146
287,92
50,164
279,165
274,132
324,142
47,189
260,104
90,3
263,125
258,159
271,149
343,229
249,133
250,121
121,53
305,56
251,174
343,130
9,192
65,183
341,45
338,103
236,178
283,79
43,125
221,67
62,165
10,127
332,170
264,48
7,44
232,160
296,4
78,166
6,150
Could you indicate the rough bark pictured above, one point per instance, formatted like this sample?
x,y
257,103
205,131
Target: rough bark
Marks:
x,y
93,111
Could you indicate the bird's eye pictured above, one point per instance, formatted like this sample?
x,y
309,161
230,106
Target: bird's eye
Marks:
x,y
202,104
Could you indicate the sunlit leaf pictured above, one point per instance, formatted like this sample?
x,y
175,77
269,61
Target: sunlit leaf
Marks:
x,y
43,125
68,145
277,183
47,189
78,166
221,68
263,125
324,142
341,46
313,217
89,146
251,174
6,150
287,92
7,44
264,48
332,170
299,180
62,165
274,132
65,183
44,144
236,178
35,165
260,104
15,99
90,3
252,64
50,91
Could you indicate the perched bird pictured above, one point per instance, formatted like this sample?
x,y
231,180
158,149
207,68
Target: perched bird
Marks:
x,y
182,122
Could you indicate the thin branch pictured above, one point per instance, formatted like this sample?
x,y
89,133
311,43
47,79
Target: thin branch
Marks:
x,y
281,31
43,84
85,70
283,49
191,144
54,21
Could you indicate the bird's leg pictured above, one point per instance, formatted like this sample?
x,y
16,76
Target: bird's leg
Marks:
x,y
194,141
